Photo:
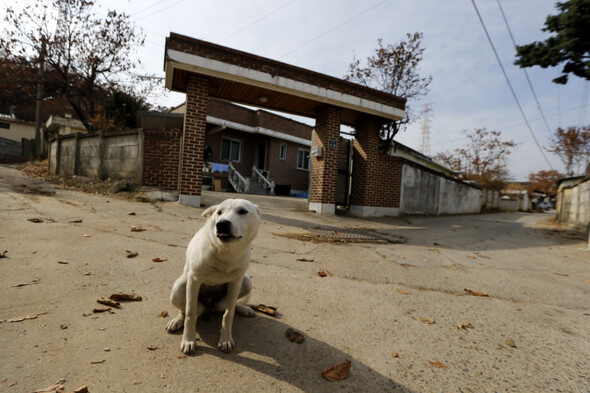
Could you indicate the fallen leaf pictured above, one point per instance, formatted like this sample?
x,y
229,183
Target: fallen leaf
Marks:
x,y
304,260
324,273
471,257
587,280
57,388
435,250
338,372
438,364
35,281
511,343
132,213
75,221
269,310
152,348
85,235
294,335
475,293
102,309
562,274
131,297
437,244
82,389
409,311
159,259
137,229
395,355
181,356
292,251
402,291
425,260
163,313
98,361
427,321
23,318
64,327
63,262
3,254
463,326
109,302
35,220
131,254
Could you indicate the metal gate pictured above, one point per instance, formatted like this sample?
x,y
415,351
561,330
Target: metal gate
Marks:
x,y
344,172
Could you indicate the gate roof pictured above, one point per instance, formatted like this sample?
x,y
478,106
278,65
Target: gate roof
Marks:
x,y
253,80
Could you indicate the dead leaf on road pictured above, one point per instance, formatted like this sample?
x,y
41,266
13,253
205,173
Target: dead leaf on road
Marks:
x,y
36,220
131,254
131,297
337,372
75,221
137,229
269,310
304,260
511,343
395,355
475,293
588,280
82,389
152,348
132,213
438,364
435,250
324,273
163,313
35,281
163,259
471,257
63,262
294,335
23,318
403,291
102,309
57,388
463,326
3,254
98,361
108,302
562,274
427,321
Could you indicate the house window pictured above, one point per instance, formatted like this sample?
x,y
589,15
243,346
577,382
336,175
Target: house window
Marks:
x,y
230,150
283,152
303,159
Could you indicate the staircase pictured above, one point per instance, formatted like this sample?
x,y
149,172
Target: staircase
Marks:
x,y
257,188
255,184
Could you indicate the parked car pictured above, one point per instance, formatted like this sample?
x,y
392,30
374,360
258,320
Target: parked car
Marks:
x,y
544,206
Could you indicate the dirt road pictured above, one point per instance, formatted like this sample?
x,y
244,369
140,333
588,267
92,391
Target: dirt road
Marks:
x,y
395,305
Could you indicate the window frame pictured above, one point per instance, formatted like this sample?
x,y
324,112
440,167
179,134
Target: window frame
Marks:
x,y
231,142
283,151
307,152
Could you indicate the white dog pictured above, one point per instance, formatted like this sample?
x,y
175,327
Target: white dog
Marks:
x,y
214,273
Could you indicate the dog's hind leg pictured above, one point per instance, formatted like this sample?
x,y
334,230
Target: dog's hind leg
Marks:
x,y
241,305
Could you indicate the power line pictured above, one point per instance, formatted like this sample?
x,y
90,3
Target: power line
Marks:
x,y
510,84
160,10
332,29
526,74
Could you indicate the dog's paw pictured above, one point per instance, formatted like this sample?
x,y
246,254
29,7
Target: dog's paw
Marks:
x,y
188,347
245,311
226,345
175,324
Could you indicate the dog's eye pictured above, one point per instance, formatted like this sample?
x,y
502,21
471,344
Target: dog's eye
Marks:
x,y
219,212
242,211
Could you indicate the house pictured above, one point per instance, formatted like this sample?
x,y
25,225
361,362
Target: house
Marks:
x,y
58,125
16,138
573,201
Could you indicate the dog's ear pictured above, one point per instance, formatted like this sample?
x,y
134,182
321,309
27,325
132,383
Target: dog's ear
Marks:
x,y
207,213
257,210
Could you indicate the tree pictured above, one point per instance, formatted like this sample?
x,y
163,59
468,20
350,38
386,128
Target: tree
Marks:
x,y
483,160
570,45
395,70
572,146
87,52
545,181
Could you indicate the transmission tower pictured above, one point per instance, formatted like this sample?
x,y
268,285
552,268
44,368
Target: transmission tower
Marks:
x,y
425,146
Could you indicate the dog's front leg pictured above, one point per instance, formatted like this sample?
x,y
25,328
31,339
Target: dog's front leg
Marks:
x,y
188,345
226,342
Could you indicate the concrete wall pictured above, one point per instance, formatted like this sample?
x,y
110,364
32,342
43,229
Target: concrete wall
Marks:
x,y
114,155
573,203
490,199
426,192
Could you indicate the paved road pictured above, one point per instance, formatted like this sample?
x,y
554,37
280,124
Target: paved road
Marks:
x,y
531,333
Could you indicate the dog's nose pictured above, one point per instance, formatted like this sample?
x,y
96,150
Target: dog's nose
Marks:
x,y
223,226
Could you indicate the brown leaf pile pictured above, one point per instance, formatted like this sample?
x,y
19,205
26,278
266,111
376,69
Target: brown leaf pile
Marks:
x,y
337,372
109,302
475,293
163,259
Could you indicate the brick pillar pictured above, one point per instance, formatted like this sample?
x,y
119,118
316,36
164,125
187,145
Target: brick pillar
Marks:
x,y
324,169
376,178
193,141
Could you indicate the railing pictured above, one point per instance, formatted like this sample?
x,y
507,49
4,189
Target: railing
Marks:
x,y
266,183
238,182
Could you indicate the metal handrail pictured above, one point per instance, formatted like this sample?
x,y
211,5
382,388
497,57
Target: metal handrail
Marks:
x,y
270,185
237,180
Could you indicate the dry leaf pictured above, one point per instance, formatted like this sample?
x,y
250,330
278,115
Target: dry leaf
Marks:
x,y
464,326
35,281
294,335
562,274
438,364
475,293
82,389
3,254
63,262
131,254
181,356
75,221
152,348
159,259
304,260
23,318
435,250
163,313
425,260
35,220
402,291
87,235
131,297
587,280
470,256
137,229
98,361
102,309
324,273
427,321
337,372
57,388
132,213
395,355
109,302
511,343
269,310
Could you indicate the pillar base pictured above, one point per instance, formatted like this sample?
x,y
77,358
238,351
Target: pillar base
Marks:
x,y
373,211
322,208
190,200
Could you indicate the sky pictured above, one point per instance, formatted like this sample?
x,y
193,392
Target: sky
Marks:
x,y
468,89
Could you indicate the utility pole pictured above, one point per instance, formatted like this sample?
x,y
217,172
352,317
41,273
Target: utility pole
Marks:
x,y
39,100
425,146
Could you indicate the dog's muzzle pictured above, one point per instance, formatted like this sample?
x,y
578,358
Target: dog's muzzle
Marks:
x,y
224,232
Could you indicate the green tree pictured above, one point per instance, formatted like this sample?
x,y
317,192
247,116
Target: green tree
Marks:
x,y
569,45
86,51
484,160
395,70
